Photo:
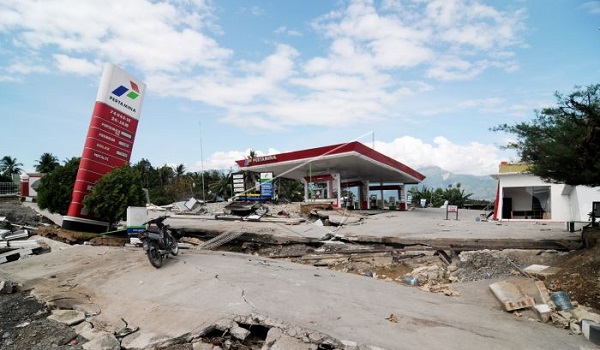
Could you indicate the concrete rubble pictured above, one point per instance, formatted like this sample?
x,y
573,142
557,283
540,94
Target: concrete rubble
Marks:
x,y
527,293
16,244
521,290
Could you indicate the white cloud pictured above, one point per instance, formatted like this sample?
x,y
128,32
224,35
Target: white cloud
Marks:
x,y
78,66
360,77
285,30
473,158
162,36
226,160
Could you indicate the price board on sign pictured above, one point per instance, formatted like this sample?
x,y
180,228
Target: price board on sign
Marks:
x,y
452,209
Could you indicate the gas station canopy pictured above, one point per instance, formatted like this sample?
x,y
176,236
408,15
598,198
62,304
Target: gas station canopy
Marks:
x,y
353,161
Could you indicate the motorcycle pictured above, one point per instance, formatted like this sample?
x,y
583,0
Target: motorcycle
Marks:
x,y
158,244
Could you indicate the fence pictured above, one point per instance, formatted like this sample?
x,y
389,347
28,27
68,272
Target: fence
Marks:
x,y
7,188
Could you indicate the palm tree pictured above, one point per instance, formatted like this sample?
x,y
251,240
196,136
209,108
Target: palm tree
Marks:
x,y
47,163
9,166
221,187
165,174
179,170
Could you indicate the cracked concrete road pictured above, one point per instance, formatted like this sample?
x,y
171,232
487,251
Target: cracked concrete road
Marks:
x,y
199,288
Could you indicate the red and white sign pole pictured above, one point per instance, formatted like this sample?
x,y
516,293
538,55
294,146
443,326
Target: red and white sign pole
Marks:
x,y
108,143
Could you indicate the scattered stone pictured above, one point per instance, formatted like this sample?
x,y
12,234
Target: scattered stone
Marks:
x,y
92,333
105,341
482,265
272,336
574,326
238,332
581,313
543,311
7,287
82,327
69,317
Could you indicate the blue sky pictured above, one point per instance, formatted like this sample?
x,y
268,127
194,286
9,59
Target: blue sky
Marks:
x,y
422,81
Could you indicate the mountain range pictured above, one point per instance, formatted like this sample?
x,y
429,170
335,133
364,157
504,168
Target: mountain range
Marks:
x,y
481,187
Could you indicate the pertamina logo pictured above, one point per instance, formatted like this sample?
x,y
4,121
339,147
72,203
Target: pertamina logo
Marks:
x,y
132,93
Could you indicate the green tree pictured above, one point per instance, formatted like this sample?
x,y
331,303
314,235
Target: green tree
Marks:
x,y
221,187
9,166
114,192
290,189
145,168
433,197
456,195
47,163
562,144
56,187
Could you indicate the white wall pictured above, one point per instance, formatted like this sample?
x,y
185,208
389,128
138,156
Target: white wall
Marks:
x,y
568,203
583,197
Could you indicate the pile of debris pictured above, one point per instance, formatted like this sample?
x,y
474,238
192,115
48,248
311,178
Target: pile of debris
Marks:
x,y
16,244
519,294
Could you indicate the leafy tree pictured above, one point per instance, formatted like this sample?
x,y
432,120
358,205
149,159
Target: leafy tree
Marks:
x,y
56,187
145,168
290,189
437,197
47,163
10,166
562,144
433,197
456,195
114,192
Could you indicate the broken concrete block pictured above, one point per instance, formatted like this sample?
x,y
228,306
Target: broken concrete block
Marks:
x,y
272,335
17,235
541,272
104,341
575,327
91,333
285,342
581,314
223,324
543,311
510,296
591,331
4,232
69,317
82,327
239,332
7,287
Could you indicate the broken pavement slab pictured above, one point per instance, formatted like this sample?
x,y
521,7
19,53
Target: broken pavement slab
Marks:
x,y
200,287
541,272
520,293
103,341
68,317
510,296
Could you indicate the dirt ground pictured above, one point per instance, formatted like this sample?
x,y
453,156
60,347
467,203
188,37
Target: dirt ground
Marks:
x,y
24,323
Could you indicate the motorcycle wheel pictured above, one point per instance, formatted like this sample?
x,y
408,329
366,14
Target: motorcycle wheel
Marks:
x,y
154,255
174,246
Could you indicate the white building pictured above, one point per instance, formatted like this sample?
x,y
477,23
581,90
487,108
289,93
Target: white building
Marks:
x,y
522,195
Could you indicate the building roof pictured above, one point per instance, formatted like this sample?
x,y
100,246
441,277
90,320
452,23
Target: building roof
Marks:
x,y
353,160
